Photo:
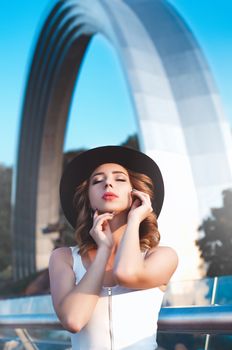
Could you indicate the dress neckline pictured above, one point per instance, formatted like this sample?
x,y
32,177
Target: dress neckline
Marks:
x,y
103,287
115,285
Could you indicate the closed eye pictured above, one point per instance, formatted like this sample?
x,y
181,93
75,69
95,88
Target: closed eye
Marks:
x,y
123,180
96,182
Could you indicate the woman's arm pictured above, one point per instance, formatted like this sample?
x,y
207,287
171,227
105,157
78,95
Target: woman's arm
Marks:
x,y
131,269
74,304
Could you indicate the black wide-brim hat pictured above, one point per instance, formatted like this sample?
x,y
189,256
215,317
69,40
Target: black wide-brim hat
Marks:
x,y
82,166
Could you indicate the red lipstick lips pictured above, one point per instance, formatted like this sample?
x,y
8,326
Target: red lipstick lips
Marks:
x,y
109,196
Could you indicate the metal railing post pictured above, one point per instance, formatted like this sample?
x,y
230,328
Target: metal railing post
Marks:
x,y
212,302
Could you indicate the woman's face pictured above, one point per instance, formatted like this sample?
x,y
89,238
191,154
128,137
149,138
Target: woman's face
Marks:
x,y
110,188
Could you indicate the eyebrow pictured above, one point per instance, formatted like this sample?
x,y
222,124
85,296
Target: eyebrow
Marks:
x,y
113,172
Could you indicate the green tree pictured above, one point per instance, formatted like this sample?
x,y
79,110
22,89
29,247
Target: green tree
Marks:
x,y
132,142
5,217
216,244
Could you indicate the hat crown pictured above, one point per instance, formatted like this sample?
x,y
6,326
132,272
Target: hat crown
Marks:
x,y
82,166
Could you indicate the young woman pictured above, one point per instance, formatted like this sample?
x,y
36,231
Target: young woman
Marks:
x,y
108,289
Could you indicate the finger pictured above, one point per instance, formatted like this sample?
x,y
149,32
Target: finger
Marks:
x,y
138,197
95,215
105,225
106,214
144,197
143,201
103,217
136,204
140,193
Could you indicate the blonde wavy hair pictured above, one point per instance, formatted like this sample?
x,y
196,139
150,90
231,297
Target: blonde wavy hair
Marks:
x,y
148,229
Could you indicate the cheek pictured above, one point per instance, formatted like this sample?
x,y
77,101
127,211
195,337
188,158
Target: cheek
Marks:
x,y
91,195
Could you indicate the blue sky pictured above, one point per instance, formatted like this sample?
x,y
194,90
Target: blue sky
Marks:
x,y
20,21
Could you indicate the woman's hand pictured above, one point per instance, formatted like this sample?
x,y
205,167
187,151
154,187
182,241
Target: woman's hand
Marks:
x,y
141,206
101,231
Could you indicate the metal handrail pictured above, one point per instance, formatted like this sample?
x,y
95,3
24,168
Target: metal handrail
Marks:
x,y
213,319
48,321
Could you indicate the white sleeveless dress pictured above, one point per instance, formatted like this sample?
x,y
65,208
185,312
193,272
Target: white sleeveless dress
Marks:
x,y
123,319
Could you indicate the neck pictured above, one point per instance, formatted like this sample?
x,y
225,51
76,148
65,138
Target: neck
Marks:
x,y
118,226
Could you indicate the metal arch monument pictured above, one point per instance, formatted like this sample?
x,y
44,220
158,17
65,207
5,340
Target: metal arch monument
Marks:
x,y
176,104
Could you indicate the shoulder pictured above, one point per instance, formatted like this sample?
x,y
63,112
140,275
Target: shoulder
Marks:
x,y
162,250
163,253
61,255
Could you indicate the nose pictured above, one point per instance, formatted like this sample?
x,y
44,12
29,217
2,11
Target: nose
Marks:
x,y
108,183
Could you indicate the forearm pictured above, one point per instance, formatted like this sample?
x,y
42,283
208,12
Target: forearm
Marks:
x,y
129,261
77,306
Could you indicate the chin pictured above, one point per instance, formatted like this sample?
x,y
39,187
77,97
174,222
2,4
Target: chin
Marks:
x,y
107,210
116,210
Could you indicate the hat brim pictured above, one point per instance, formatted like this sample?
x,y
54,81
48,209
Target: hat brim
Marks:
x,y
82,166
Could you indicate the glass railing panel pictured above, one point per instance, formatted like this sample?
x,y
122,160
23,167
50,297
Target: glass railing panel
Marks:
x,y
52,345
181,341
8,333
26,305
195,292
224,291
220,342
10,344
9,340
37,339
60,339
